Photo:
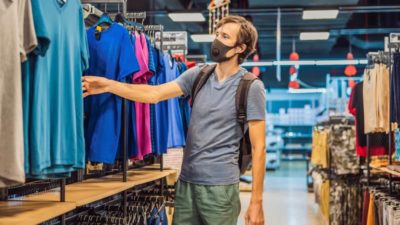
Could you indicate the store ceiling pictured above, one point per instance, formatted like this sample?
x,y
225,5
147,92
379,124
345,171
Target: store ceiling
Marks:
x,y
365,30
289,3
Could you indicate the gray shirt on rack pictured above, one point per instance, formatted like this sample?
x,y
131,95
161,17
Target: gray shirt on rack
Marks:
x,y
212,145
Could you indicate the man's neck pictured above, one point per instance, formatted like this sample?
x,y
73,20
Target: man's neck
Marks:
x,y
227,69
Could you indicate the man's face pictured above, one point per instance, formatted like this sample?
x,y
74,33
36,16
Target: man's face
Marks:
x,y
228,34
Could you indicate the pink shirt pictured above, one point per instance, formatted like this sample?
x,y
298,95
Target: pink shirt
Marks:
x,y
143,132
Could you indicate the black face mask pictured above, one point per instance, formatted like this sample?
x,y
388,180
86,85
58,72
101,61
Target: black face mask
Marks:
x,y
219,50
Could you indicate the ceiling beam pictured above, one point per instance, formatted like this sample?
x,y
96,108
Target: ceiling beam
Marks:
x,y
296,11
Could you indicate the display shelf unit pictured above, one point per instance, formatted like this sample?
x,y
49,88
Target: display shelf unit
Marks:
x,y
41,207
296,136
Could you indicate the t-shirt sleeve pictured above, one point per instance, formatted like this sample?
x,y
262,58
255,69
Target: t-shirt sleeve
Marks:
x,y
256,101
27,34
128,63
350,106
41,28
84,43
186,80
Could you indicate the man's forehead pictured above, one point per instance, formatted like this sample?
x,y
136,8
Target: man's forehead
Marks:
x,y
229,28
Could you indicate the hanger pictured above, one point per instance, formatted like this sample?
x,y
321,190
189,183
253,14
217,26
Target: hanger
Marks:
x,y
119,18
104,19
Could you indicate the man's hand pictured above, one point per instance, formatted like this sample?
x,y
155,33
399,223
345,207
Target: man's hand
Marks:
x,y
92,85
255,214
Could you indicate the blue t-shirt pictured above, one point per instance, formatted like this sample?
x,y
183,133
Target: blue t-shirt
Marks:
x,y
112,56
176,136
52,90
184,103
160,125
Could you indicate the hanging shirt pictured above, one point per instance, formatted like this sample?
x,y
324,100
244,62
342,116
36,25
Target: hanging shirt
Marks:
x,y
176,136
153,64
184,104
395,89
379,141
18,38
111,56
53,104
160,110
142,110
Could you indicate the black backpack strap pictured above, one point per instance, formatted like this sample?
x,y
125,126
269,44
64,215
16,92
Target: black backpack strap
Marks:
x,y
201,80
241,98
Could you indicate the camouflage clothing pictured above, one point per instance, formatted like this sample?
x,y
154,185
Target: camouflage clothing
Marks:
x,y
345,202
342,150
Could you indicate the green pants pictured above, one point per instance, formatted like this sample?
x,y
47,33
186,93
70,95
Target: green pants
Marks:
x,y
206,205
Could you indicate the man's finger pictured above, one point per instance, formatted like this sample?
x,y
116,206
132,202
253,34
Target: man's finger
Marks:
x,y
246,219
86,94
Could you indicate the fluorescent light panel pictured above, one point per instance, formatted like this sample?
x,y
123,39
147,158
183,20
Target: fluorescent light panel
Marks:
x,y
187,17
306,90
293,63
308,63
311,36
202,37
337,62
320,14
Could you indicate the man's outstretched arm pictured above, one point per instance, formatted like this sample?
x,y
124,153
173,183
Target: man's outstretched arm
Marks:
x,y
93,85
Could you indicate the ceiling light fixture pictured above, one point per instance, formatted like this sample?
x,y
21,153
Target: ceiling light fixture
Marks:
x,y
320,14
307,63
312,36
202,37
187,17
306,90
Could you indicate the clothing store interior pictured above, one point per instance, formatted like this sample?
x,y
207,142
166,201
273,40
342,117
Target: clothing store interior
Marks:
x,y
328,69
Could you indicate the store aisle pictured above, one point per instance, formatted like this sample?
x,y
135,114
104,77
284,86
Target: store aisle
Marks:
x,y
286,200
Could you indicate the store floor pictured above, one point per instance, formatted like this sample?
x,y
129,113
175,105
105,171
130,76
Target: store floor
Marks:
x,y
286,200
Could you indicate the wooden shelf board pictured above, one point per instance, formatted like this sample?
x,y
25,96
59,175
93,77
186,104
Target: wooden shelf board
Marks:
x,y
96,189
38,208
30,212
386,170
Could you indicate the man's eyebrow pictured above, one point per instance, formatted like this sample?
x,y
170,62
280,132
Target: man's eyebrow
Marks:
x,y
221,32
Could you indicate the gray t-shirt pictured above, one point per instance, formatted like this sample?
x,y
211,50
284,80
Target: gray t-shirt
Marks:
x,y
212,145
17,39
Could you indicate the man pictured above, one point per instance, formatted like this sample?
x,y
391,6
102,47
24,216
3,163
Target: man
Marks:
x,y
208,189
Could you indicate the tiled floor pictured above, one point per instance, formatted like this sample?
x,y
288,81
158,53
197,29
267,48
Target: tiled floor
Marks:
x,y
286,201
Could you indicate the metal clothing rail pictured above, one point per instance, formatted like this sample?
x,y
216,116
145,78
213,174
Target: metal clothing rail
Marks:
x,y
122,2
391,47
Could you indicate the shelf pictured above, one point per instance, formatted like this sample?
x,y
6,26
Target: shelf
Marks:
x,y
41,207
92,190
296,136
386,170
296,148
31,212
293,125
295,158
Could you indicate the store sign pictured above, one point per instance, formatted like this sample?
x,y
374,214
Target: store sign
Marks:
x,y
174,41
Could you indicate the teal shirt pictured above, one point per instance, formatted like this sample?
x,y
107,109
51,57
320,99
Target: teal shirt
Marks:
x,y
52,90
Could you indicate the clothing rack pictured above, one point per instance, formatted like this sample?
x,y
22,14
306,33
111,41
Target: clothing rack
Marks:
x,y
343,121
122,2
50,184
156,28
386,58
200,59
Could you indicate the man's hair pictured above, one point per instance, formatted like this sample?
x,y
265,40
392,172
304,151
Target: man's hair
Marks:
x,y
247,35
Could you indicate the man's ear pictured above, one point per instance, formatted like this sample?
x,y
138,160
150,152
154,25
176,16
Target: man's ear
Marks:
x,y
241,48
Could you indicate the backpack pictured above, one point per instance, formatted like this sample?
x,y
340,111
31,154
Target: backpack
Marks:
x,y
245,150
